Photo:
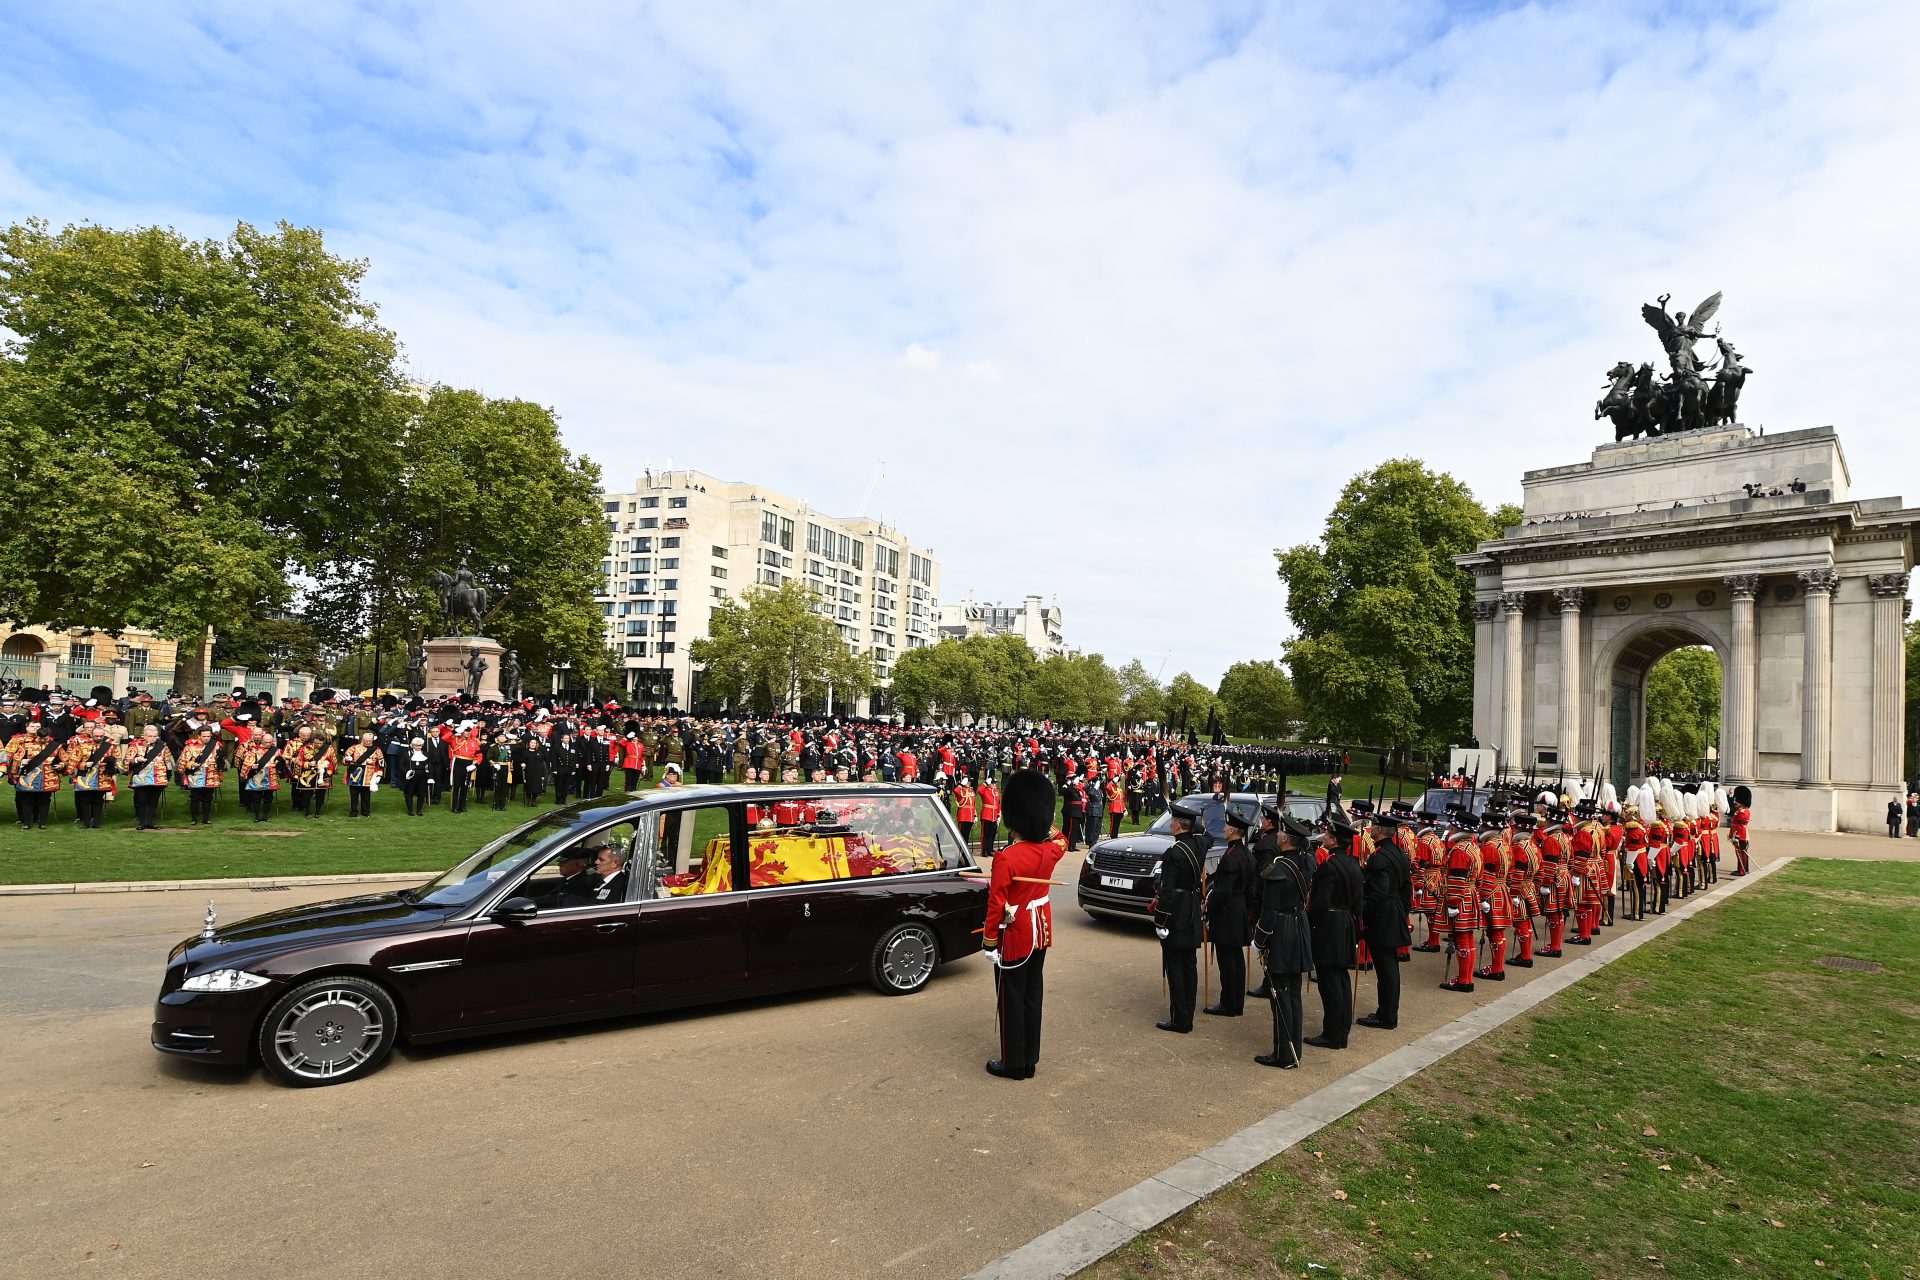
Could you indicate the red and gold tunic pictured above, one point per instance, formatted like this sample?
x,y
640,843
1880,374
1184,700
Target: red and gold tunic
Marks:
x,y
1635,844
1459,890
1659,841
200,764
1589,848
1523,876
33,762
260,765
1427,866
1555,880
1492,880
87,761
365,765
311,763
147,764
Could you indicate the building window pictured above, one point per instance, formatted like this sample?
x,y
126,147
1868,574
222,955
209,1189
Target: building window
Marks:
x,y
636,626
769,527
719,553
769,578
859,554
643,544
668,608
669,544
666,627
640,564
643,606
670,562
718,572
648,522
719,593
676,503
649,503
813,538
666,646
609,608
636,648
613,507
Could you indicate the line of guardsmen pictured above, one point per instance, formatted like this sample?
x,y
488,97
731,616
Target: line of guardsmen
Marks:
x,y
1327,902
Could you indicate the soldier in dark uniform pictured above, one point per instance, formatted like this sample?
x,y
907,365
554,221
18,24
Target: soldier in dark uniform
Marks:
x,y
1386,901
1265,849
1330,914
1282,935
1176,915
1227,892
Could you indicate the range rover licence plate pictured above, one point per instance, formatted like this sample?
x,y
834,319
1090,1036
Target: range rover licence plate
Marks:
x,y
1117,882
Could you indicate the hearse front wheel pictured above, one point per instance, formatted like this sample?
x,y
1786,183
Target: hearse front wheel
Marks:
x,y
328,1031
903,960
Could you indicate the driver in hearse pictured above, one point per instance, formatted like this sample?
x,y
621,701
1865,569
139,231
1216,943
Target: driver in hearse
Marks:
x,y
577,880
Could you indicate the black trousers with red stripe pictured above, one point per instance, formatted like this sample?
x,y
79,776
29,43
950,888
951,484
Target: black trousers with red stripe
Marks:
x,y
1018,992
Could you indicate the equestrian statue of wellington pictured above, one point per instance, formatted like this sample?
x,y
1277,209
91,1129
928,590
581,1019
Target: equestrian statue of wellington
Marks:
x,y
461,597
1688,398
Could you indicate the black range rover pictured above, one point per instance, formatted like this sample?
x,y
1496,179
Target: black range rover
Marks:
x,y
1116,880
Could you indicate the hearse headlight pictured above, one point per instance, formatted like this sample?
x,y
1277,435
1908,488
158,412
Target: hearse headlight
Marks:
x,y
223,980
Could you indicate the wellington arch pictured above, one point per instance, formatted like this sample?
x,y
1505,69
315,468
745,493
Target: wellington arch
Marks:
x,y
1750,545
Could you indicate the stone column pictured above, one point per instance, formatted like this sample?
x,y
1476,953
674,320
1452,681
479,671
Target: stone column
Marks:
x,y
1736,734
49,675
1816,681
280,678
122,676
1514,606
1568,602
1889,676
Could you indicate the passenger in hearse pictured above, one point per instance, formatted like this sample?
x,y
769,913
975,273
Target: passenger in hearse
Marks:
x,y
608,879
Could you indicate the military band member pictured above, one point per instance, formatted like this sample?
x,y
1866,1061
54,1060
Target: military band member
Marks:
x,y
1283,936
34,772
1176,914
148,762
310,762
200,773
260,764
1387,897
364,765
1019,924
88,761
1228,889
1332,909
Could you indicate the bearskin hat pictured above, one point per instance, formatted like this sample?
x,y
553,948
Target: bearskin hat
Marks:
x,y
1026,804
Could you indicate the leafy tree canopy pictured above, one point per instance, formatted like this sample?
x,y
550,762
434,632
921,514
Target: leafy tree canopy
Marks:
x,y
1683,707
1257,700
1384,650
770,650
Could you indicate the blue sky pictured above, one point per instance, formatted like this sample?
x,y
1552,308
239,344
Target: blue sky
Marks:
x,y
1121,294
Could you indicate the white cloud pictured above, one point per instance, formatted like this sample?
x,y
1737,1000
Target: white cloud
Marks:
x,y
1217,259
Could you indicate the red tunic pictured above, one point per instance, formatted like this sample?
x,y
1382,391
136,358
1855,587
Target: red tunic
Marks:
x,y
1492,881
1019,912
989,802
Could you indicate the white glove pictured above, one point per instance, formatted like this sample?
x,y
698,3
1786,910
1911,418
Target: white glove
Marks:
x,y
992,954
1453,911
1576,882
1162,934
374,785
1486,906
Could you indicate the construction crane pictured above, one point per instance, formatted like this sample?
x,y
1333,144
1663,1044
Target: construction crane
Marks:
x,y
879,470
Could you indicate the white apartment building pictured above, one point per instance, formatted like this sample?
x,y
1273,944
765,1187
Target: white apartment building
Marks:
x,y
1039,625
683,541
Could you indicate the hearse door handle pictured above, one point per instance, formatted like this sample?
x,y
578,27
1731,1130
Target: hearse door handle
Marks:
x,y
610,926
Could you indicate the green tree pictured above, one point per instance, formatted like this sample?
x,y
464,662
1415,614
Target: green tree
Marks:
x,y
1101,688
771,650
1188,703
354,669
489,482
266,643
209,412
1056,691
1257,700
1141,697
1683,707
1384,650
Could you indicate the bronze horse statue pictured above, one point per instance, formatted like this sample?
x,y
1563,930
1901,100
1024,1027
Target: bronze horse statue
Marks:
x,y
1617,404
461,597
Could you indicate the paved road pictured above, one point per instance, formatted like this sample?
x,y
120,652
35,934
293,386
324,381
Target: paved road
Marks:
x,y
829,1135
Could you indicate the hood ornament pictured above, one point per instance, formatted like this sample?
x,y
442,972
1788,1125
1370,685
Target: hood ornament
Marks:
x,y
206,927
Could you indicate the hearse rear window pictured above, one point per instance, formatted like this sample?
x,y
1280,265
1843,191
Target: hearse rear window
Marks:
x,y
833,836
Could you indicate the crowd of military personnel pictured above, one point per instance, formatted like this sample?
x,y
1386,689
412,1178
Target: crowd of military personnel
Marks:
x,y
1342,898
290,757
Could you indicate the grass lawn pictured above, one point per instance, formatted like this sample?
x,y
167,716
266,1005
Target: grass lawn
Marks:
x,y
1714,1104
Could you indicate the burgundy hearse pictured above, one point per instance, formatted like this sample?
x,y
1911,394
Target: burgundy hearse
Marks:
x,y
600,908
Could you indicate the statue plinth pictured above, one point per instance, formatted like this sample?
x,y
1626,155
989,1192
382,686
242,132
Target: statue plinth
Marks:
x,y
447,658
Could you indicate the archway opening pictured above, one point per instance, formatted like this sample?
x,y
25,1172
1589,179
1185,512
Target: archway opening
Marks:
x,y
22,647
1666,706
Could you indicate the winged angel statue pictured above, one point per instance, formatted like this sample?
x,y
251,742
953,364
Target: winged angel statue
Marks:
x,y
1687,399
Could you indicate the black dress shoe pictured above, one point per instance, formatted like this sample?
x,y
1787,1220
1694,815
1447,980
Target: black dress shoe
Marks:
x,y
1221,1011
1261,993
1168,1025
1520,964
1581,942
1321,1042
1554,954
1452,985
1373,1020
1488,975
1429,946
997,1068
1274,1060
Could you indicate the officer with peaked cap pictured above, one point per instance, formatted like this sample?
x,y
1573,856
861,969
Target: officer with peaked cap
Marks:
x,y
1282,935
1176,914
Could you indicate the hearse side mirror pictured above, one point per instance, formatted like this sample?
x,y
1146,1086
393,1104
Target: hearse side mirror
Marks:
x,y
515,909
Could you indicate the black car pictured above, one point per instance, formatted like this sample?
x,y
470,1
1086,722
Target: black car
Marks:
x,y
600,908
1116,880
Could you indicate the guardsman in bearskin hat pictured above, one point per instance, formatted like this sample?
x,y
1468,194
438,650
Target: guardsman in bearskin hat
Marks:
x,y
1019,925
1737,828
1333,908
1460,895
1282,934
1178,886
1386,901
